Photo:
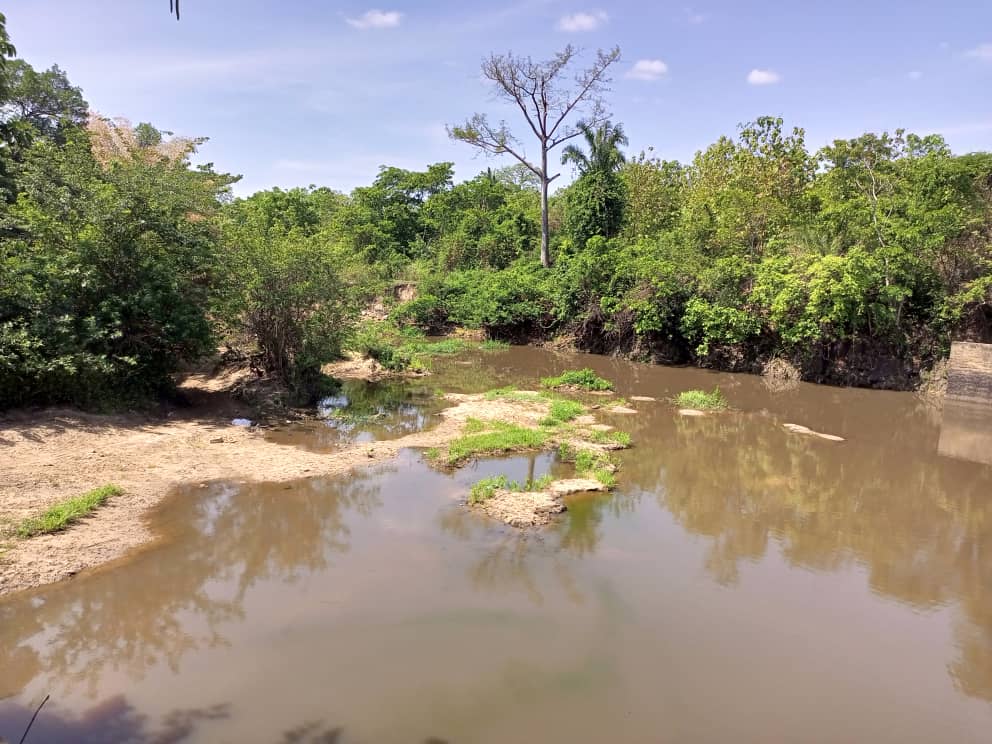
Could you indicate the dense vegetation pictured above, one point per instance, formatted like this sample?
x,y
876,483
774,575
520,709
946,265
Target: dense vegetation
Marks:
x,y
120,260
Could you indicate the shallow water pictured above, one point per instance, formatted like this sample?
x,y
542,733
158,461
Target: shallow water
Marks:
x,y
743,584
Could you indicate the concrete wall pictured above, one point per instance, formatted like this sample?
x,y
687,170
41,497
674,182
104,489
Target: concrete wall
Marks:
x,y
969,373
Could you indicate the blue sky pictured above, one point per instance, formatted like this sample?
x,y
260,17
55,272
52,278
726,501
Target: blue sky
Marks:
x,y
301,91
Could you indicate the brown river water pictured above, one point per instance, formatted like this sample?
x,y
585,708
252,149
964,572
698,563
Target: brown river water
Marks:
x,y
742,584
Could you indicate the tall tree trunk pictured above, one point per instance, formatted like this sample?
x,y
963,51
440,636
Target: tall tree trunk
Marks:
x,y
545,248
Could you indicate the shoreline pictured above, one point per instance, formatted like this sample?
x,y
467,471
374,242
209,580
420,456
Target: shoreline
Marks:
x,y
52,454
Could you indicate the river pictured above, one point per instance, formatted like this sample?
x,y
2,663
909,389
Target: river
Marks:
x,y
743,583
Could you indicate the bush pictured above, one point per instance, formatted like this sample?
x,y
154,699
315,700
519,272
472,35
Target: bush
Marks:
x,y
426,312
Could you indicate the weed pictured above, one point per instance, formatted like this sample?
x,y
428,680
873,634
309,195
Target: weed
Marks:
x,y
585,379
67,512
702,400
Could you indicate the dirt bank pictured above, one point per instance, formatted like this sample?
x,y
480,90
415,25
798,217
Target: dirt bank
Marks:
x,y
50,455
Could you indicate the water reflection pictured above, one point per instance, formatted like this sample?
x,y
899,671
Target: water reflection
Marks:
x,y
178,596
113,720
363,412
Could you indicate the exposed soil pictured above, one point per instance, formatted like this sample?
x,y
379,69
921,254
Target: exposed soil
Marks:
x,y
50,455
535,508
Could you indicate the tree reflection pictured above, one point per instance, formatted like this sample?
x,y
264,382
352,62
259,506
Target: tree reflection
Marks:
x,y
177,596
921,525
113,720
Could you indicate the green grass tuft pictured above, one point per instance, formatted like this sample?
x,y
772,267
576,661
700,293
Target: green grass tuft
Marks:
x,y
492,344
485,488
605,476
619,438
562,411
510,393
585,379
68,512
702,400
504,438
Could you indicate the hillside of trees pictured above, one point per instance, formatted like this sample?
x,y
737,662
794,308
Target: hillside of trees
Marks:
x,y
120,260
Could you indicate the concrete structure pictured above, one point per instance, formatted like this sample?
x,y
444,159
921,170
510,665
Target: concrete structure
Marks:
x,y
969,373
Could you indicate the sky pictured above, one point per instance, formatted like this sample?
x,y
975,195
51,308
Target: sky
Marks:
x,y
302,92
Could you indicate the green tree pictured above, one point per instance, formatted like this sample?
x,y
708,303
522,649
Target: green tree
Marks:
x,y
105,288
291,289
594,204
46,103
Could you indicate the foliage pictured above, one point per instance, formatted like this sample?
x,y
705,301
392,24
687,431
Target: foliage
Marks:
x,y
289,287
68,512
700,399
585,379
106,279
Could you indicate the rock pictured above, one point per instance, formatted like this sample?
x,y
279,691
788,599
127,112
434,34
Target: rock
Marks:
x,y
643,398
585,420
600,427
691,412
621,409
800,429
217,440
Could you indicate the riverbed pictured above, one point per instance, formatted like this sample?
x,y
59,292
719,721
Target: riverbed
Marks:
x,y
743,583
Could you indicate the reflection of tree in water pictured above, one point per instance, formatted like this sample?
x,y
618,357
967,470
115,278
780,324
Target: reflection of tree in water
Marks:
x,y
113,720
922,526
509,561
152,610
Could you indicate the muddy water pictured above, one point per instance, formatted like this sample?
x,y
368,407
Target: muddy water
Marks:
x,y
743,584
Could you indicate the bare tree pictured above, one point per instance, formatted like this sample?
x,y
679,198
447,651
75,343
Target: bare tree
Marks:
x,y
546,98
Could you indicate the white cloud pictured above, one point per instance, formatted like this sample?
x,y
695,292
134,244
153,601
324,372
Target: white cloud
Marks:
x,y
915,75
647,69
582,21
982,52
376,19
763,77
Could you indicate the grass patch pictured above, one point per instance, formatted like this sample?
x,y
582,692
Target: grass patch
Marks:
x,y
487,487
510,393
492,344
590,464
504,438
702,400
67,512
473,426
562,411
605,476
585,379
619,438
